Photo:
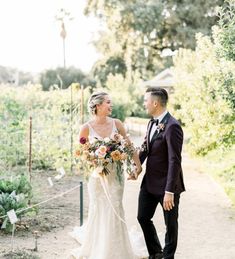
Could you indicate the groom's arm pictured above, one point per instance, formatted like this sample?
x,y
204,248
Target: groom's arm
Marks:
x,y
174,138
143,151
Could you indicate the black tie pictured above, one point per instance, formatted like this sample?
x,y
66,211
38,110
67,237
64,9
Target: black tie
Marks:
x,y
154,121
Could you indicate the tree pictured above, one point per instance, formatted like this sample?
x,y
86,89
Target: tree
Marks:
x,y
64,77
226,35
201,98
225,47
15,76
137,31
113,65
63,16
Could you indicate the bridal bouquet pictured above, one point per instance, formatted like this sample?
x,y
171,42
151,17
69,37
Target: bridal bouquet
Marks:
x,y
98,154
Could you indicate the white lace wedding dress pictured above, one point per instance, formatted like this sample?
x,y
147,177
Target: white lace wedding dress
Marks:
x,y
105,234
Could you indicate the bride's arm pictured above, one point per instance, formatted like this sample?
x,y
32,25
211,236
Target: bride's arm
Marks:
x,y
84,132
136,159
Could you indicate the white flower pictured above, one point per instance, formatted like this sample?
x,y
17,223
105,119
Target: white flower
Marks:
x,y
92,140
106,140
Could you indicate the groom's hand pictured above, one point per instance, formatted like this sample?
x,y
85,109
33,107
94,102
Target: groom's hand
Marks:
x,y
168,201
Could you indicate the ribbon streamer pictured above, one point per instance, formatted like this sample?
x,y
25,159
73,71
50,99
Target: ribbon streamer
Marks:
x,y
109,199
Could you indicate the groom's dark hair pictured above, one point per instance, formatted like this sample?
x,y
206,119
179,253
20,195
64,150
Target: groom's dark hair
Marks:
x,y
159,92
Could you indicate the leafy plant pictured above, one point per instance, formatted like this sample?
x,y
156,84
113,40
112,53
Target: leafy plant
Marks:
x,y
10,202
14,194
19,184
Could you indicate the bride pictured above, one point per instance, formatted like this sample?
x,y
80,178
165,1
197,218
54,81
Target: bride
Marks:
x,y
105,233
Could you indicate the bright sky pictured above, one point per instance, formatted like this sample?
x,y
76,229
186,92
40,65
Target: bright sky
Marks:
x,y
30,36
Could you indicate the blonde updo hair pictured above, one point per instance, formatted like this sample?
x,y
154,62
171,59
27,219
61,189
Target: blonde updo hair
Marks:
x,y
94,100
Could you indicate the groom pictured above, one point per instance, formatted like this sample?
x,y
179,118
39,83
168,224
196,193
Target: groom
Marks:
x,y
163,179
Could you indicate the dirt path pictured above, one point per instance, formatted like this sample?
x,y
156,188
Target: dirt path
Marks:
x,y
206,223
206,219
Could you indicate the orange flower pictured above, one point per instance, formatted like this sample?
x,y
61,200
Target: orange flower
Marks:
x,y
78,152
123,156
116,155
85,154
86,146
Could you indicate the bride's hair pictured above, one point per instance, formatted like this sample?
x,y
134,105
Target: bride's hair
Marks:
x,y
96,98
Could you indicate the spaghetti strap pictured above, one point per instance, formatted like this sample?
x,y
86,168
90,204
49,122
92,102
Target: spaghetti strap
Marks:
x,y
114,130
92,132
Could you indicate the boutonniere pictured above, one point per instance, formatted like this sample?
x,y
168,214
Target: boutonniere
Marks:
x,y
143,147
160,127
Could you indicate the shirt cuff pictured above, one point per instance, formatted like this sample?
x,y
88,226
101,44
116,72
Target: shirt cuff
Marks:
x,y
169,192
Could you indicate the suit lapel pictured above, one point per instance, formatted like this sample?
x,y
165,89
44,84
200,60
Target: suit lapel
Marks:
x,y
157,132
148,134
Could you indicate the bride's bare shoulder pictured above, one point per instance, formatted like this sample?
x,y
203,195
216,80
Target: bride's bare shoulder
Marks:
x,y
86,124
84,129
118,123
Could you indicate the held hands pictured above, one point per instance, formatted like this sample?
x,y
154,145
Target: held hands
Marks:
x,y
135,173
168,201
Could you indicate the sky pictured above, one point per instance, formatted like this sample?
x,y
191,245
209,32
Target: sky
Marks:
x,y
30,35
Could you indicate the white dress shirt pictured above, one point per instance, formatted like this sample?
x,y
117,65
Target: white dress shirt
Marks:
x,y
154,127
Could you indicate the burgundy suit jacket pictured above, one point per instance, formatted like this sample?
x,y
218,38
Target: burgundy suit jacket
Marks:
x,y
163,153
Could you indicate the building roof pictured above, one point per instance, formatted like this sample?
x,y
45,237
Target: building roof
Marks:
x,y
163,79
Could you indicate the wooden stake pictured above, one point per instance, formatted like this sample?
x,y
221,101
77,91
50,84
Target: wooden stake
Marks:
x,y
30,148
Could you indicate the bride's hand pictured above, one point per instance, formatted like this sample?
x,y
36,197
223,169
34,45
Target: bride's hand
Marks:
x,y
135,174
138,171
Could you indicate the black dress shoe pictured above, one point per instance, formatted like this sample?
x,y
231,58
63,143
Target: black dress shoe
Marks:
x,y
156,256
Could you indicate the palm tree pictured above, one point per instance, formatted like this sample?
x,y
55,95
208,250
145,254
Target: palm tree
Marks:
x,y
63,16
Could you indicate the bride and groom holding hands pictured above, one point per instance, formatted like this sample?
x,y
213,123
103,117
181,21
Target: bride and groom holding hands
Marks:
x,y
105,234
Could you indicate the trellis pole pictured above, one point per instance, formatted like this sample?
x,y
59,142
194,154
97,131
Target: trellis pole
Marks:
x,y
71,128
30,149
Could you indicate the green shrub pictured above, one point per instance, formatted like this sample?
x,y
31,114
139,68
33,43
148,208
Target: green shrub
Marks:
x,y
202,105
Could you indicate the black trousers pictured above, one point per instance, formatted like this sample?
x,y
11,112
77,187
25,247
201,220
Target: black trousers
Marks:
x,y
147,205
